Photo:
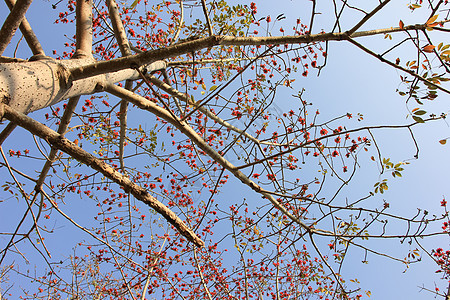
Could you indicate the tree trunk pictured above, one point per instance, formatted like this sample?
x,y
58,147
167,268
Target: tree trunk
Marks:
x,y
33,85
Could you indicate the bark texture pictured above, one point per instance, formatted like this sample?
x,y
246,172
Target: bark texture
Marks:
x,y
33,85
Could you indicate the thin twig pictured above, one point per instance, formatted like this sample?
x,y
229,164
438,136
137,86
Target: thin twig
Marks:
x,y
208,21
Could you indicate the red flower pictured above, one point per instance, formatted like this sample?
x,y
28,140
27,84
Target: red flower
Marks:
x,y
271,176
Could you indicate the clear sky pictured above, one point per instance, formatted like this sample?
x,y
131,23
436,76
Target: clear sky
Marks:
x,y
351,82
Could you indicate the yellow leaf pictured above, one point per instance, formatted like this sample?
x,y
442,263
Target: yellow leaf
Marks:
x,y
401,25
432,19
443,142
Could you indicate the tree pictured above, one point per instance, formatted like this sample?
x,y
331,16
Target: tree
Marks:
x,y
188,105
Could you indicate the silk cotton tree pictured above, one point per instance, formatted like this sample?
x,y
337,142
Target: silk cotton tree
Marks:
x,y
153,110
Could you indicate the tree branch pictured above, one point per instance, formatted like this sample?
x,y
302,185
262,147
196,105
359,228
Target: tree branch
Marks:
x,y
12,22
145,104
178,49
119,31
379,57
84,29
180,24
185,98
28,33
124,46
208,21
367,17
63,144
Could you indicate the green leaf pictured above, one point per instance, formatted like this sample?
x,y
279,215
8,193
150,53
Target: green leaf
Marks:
x,y
420,112
133,5
418,119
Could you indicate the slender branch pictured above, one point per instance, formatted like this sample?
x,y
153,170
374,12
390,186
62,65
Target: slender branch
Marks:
x,y
180,23
12,22
367,17
124,45
6,132
185,98
207,61
64,124
123,113
433,12
313,142
28,33
63,144
147,281
368,51
119,30
208,21
338,280
446,67
202,278
313,15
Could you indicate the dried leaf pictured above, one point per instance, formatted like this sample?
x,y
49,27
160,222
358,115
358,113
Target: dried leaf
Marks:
x,y
428,48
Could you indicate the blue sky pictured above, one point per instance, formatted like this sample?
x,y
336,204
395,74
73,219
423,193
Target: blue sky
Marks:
x,y
355,83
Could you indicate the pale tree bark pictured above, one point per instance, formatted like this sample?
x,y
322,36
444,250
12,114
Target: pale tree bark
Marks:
x,y
31,86
84,29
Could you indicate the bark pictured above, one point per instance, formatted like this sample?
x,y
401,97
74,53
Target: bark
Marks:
x,y
119,31
33,85
84,29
